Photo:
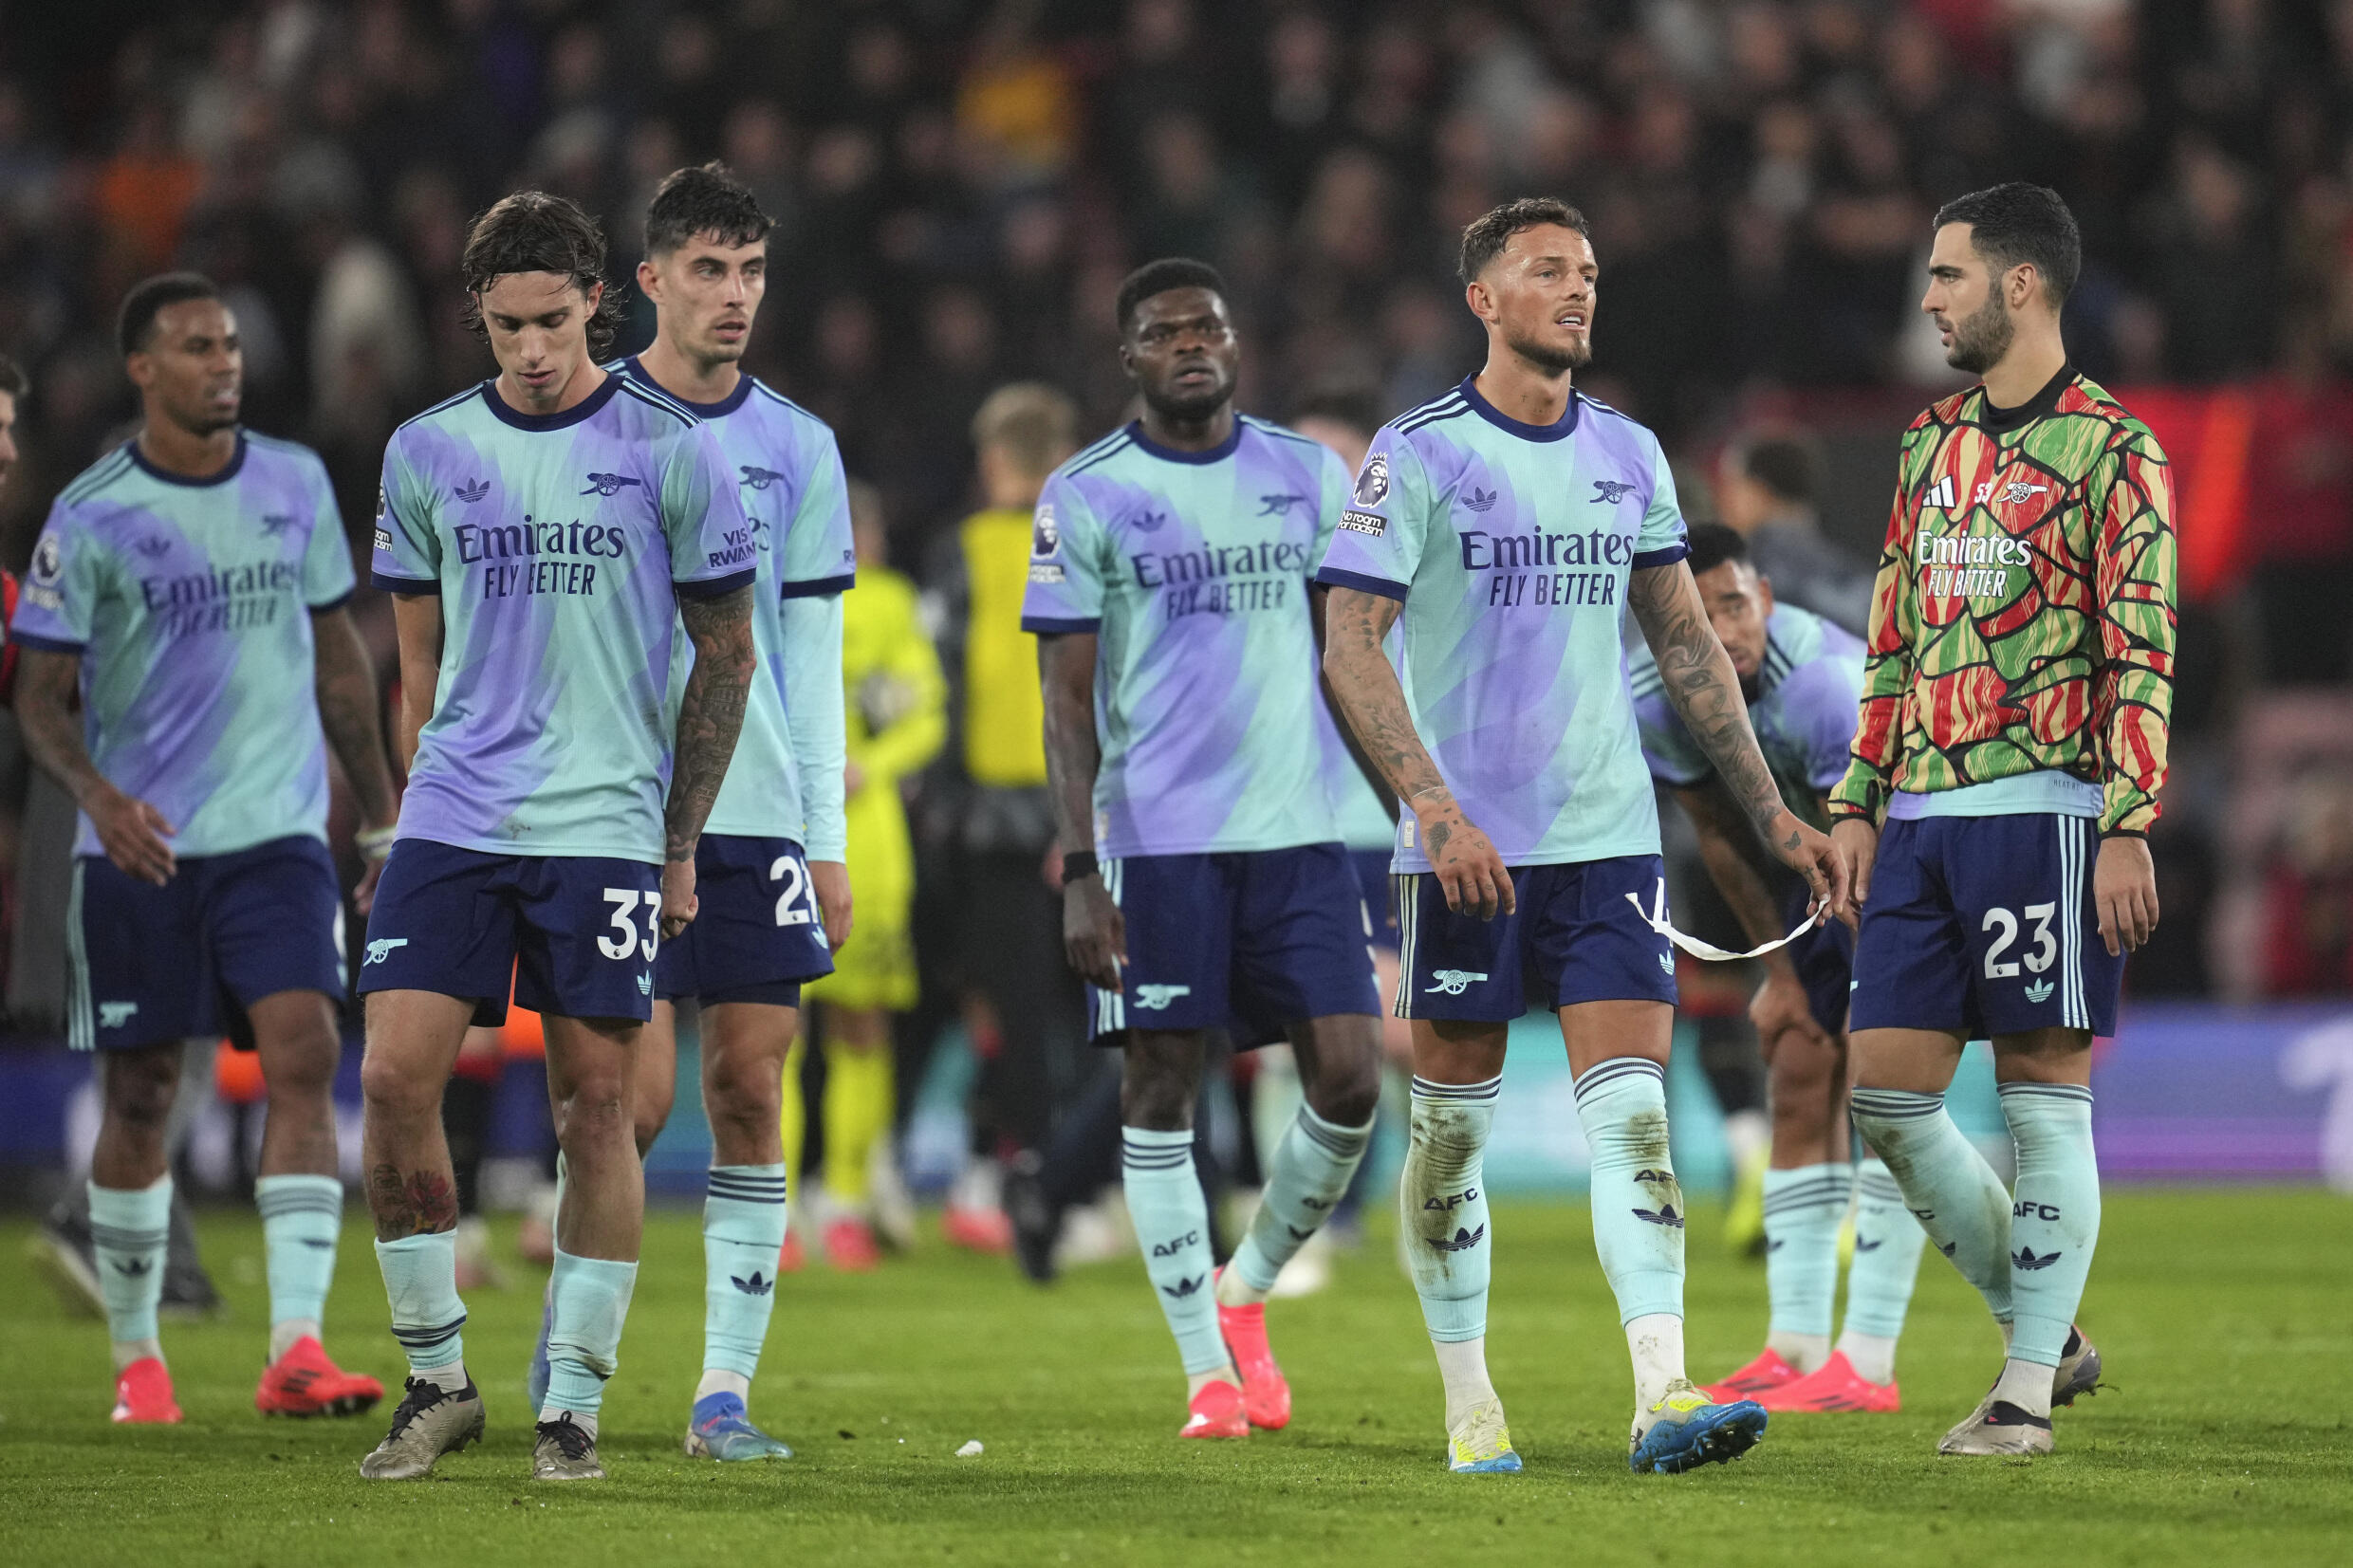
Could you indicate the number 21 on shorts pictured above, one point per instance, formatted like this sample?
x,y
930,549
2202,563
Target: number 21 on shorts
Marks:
x,y
625,903
797,904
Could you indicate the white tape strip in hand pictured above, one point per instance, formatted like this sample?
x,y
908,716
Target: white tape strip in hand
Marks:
x,y
1656,919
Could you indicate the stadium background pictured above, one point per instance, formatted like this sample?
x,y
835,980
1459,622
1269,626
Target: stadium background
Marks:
x,y
960,185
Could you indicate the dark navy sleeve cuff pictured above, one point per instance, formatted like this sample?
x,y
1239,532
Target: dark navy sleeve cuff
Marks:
x,y
329,606
819,587
45,645
715,587
1054,626
1645,559
1333,577
387,582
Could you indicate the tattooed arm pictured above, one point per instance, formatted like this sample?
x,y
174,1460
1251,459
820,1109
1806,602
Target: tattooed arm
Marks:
x,y
1319,616
346,682
711,713
1094,933
133,833
1371,706
1705,689
1726,848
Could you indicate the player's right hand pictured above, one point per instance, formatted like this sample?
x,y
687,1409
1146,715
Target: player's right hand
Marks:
x,y
1094,933
1861,843
1780,1009
678,903
133,835
1467,864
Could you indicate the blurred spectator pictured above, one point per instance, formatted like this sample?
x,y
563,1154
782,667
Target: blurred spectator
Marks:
x,y
1765,489
2308,893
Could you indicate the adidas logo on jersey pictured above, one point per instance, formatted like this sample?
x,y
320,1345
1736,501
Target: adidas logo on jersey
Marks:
x,y
472,490
1478,500
1942,494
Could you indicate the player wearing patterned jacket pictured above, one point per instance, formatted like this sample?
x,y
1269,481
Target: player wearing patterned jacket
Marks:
x,y
1170,593
2011,739
187,593
544,535
1508,527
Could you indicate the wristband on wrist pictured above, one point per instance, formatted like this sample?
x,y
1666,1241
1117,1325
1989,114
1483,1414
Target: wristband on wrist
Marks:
x,y
1077,865
375,843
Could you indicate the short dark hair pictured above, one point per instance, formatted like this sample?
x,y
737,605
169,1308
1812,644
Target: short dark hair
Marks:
x,y
14,382
705,199
1158,277
1488,233
533,231
1712,545
1784,465
1354,404
135,324
2018,223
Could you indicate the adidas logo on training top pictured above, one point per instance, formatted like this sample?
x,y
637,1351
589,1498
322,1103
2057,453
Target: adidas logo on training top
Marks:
x,y
471,491
1941,493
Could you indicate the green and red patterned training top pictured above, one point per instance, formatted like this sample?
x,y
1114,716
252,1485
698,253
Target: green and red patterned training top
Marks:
x,y
2022,620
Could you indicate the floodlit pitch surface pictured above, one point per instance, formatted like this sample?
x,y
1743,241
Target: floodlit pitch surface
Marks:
x,y
2224,1439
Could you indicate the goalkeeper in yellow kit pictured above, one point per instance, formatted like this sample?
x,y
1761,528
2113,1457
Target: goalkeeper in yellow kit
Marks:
x,y
897,720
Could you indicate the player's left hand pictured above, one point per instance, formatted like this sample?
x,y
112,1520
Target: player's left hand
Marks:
x,y
1814,856
679,902
831,880
2123,889
375,850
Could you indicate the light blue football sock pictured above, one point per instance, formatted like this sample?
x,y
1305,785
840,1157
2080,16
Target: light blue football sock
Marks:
x,y
420,1280
1887,1257
1946,1182
1442,1203
1637,1204
590,1301
743,1229
2055,1215
302,1220
1171,1227
1308,1174
1804,1209
130,1231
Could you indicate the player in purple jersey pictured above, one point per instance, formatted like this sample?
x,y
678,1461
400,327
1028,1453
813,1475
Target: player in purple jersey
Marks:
x,y
1463,513
186,652
1176,647
543,535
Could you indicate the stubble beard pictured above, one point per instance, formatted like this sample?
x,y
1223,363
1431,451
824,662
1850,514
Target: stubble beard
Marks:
x,y
1981,337
1550,360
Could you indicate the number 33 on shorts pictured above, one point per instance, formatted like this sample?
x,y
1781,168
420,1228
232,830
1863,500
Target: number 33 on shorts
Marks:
x,y
622,941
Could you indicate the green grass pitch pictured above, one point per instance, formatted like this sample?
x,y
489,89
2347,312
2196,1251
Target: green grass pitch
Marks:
x,y
2224,1438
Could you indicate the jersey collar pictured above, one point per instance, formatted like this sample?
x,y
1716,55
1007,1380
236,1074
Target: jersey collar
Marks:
x,y
728,404
1217,453
1565,425
228,471
2041,406
585,409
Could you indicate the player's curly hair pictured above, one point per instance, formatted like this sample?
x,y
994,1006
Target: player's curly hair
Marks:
x,y
1158,277
704,199
1488,233
534,231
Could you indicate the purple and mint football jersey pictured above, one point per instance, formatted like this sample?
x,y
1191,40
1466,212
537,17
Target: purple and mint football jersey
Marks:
x,y
189,602
1803,711
1193,567
1510,545
560,545
788,480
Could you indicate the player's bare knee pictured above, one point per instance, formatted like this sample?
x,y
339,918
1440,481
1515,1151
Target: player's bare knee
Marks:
x,y
1346,1089
391,1086
140,1087
1156,1097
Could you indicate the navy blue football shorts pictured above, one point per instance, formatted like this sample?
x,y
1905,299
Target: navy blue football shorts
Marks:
x,y
1981,926
1251,942
148,964
578,934
1372,880
756,935
1824,961
1573,938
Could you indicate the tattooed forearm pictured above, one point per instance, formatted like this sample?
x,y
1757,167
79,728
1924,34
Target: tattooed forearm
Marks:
x,y
1067,679
711,712
1372,704
347,709
46,687
1319,616
1705,689
411,1203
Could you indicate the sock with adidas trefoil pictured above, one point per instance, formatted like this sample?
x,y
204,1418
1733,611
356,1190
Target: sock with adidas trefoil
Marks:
x,y
1309,1173
743,1228
1638,1215
2056,1227
129,1233
1888,1241
589,1299
302,1220
1171,1226
420,1281
1442,1203
1804,1209
1947,1185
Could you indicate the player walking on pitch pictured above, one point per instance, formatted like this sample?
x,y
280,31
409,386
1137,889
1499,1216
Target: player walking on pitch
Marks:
x,y
2013,738
188,590
1800,674
543,536
770,881
1169,591
1510,523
